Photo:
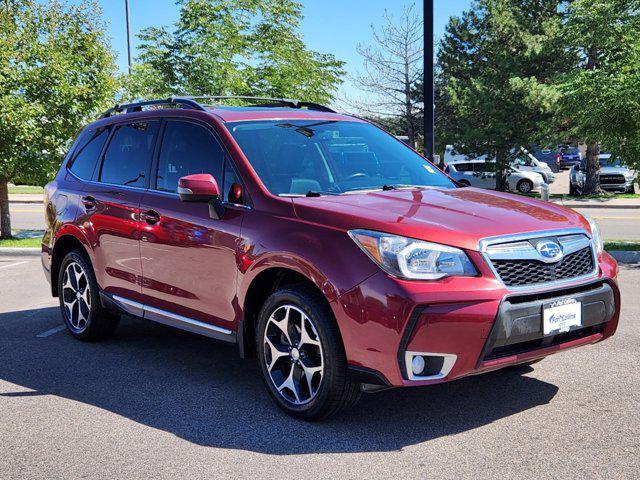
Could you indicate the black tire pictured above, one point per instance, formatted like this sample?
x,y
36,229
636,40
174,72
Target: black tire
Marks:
x,y
464,182
573,192
335,390
632,189
525,186
98,323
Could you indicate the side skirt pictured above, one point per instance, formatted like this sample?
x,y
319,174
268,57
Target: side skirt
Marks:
x,y
124,305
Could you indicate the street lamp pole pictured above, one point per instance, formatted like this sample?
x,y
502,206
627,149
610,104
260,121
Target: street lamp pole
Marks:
x,y
428,79
126,7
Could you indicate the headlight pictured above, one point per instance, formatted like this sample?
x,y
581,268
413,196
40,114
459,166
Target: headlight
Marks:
x,y
595,234
412,259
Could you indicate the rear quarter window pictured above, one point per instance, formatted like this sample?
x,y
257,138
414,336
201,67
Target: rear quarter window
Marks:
x,y
86,156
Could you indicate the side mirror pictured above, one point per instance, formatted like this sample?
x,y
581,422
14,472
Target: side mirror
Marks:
x,y
203,188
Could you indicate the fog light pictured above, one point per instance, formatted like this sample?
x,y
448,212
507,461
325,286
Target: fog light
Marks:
x,y
417,365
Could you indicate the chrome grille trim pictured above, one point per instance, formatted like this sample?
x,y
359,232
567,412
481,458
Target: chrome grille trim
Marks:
x,y
517,247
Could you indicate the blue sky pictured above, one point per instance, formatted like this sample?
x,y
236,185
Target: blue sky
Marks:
x,y
329,26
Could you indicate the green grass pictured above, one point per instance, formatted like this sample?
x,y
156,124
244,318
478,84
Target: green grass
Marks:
x,y
19,189
20,242
583,197
621,245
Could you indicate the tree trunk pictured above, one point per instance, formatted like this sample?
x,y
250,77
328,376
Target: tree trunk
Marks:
x,y
502,185
5,216
592,174
408,105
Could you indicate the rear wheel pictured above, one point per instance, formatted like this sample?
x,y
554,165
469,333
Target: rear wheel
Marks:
x,y
464,182
80,306
525,186
301,355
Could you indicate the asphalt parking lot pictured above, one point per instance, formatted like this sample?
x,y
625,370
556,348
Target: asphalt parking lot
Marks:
x,y
156,402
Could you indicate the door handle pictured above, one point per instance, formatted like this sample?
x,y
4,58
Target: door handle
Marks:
x,y
89,202
151,217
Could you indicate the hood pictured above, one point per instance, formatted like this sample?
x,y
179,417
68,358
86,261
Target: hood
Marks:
x,y
612,170
458,217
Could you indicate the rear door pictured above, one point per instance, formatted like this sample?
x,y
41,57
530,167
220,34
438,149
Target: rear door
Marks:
x,y
484,175
188,259
109,207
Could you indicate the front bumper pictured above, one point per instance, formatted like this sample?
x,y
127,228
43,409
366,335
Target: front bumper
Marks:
x,y
476,320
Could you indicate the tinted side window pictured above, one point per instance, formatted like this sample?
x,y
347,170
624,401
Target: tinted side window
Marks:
x,y
86,155
462,167
187,148
483,167
129,153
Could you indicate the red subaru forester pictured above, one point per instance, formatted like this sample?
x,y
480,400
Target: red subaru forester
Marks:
x,y
339,257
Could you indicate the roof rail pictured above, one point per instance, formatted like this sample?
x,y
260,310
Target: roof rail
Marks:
x,y
272,102
183,102
192,103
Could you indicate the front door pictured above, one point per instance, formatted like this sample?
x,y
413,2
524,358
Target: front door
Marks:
x,y
189,259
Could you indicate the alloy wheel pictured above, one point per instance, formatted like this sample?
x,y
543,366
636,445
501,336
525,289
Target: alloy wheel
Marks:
x,y
293,354
76,296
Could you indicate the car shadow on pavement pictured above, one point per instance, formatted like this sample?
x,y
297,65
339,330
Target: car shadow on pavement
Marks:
x,y
199,390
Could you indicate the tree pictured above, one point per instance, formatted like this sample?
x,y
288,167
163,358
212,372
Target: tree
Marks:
x,y
244,47
56,72
599,97
392,65
498,63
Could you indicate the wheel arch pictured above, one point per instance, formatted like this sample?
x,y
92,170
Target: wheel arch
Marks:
x,y
65,243
259,288
523,181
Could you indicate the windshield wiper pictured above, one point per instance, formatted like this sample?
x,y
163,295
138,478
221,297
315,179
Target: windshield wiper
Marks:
x,y
318,193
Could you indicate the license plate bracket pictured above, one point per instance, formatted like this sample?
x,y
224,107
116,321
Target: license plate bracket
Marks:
x,y
561,316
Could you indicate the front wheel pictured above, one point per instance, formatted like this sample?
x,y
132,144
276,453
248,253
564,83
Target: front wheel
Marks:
x,y
80,306
301,355
525,186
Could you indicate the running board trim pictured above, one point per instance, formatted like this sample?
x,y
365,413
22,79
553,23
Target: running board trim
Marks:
x,y
171,319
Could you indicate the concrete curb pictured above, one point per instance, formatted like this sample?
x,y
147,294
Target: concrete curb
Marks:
x,y
19,252
591,205
623,256
35,202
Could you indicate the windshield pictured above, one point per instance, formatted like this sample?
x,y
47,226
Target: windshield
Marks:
x,y
298,157
571,151
610,162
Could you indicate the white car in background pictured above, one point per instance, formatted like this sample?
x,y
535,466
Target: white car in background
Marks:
x,y
525,162
481,174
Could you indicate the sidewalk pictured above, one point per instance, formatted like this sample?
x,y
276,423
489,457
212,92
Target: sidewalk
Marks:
x,y
598,202
26,198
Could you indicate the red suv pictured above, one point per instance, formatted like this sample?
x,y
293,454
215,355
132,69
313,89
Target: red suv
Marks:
x,y
335,254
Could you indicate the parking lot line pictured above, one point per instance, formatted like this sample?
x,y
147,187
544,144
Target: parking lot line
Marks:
x,y
51,331
12,264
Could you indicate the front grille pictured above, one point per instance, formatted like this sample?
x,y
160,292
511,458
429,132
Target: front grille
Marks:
x,y
515,273
612,179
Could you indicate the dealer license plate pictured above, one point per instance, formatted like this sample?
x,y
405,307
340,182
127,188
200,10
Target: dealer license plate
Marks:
x,y
561,315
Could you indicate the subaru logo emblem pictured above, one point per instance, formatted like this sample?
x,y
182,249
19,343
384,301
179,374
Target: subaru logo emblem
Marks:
x,y
549,249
